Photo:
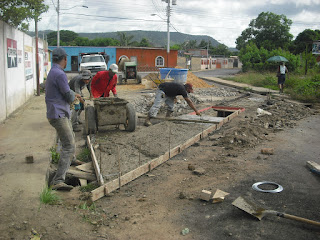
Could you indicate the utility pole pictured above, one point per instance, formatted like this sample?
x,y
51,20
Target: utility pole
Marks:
x,y
174,2
37,55
208,54
58,28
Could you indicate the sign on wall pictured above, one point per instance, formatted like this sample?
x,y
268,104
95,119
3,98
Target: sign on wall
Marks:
x,y
12,53
316,47
28,62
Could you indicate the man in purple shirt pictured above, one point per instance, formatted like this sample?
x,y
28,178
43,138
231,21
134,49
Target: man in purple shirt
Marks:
x,y
59,96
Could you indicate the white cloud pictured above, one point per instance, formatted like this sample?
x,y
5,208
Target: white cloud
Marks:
x,y
222,20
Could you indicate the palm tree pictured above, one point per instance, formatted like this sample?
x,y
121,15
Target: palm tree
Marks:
x,y
124,39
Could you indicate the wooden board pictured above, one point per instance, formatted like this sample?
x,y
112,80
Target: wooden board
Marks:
x,y
86,167
95,162
83,175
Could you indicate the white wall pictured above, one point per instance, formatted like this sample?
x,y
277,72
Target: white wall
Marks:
x,y
2,75
18,81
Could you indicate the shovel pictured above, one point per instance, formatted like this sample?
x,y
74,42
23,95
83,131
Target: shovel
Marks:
x,y
259,212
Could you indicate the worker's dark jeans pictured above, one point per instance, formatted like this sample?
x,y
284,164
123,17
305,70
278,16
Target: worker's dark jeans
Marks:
x,y
66,135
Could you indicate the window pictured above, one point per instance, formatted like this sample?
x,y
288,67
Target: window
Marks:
x,y
159,61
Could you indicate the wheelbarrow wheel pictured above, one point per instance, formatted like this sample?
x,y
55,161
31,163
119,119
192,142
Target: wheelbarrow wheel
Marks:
x,y
91,126
131,119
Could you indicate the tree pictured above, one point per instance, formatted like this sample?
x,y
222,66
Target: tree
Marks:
x,y
303,41
192,44
18,13
221,49
124,39
67,38
144,43
268,30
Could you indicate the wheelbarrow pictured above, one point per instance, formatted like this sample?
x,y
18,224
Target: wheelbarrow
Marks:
x,y
109,111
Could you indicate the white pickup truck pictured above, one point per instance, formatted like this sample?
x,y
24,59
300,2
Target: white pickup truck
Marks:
x,y
95,62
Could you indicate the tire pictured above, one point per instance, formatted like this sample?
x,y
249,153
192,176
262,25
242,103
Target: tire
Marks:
x,y
131,119
138,79
90,116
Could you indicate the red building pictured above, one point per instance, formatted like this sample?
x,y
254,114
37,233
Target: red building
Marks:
x,y
148,59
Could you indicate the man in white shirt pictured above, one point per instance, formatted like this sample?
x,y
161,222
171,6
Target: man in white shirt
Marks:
x,y
282,70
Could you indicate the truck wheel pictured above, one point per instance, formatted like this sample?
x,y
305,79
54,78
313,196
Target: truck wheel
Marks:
x,y
138,79
91,126
131,119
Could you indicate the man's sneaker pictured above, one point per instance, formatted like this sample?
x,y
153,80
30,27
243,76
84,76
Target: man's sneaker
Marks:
x,y
61,186
147,123
76,162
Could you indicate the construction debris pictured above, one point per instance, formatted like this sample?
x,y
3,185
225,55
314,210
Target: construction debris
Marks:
x,y
267,151
314,167
205,195
219,196
29,159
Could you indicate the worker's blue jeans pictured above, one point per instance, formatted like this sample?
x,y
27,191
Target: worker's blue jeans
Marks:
x,y
67,140
158,101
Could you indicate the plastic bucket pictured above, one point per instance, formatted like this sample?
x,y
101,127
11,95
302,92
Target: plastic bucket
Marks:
x,y
179,75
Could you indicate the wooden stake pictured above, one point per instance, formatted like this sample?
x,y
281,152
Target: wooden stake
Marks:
x,y
169,139
139,154
119,168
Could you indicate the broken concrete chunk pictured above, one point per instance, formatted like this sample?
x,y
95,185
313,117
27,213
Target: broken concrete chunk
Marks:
x,y
268,151
29,158
205,195
191,167
219,196
262,112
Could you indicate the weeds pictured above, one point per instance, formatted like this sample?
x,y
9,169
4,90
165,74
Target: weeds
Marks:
x,y
85,206
84,155
88,188
55,156
298,86
48,196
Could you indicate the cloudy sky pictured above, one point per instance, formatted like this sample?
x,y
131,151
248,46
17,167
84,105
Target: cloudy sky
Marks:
x,y
221,20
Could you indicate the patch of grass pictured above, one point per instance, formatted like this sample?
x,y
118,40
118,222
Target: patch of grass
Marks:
x,y
85,206
88,188
55,156
298,86
84,155
48,196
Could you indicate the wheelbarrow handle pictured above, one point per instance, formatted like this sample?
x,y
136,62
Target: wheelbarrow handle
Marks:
x,y
300,219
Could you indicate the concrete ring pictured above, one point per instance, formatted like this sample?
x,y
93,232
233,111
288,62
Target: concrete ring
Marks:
x,y
278,188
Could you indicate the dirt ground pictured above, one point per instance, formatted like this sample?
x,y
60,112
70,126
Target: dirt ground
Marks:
x,y
166,201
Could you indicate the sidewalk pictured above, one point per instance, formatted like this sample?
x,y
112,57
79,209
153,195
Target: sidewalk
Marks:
x,y
259,90
26,132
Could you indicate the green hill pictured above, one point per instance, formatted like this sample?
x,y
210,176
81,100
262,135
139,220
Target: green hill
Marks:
x,y
156,38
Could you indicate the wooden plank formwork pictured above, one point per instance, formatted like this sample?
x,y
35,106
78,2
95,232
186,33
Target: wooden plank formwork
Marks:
x,y
113,185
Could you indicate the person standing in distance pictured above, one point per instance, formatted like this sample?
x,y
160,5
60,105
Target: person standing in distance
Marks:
x,y
282,70
58,98
104,82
